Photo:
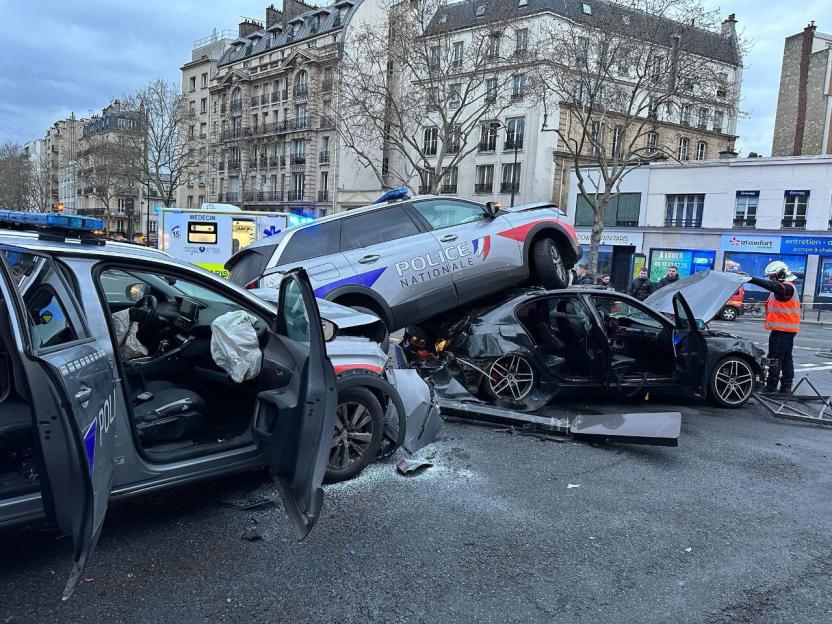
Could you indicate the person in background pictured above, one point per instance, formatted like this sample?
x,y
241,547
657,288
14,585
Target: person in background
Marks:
x,y
582,276
671,276
641,287
783,321
604,282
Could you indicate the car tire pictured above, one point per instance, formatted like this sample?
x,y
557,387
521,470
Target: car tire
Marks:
x,y
728,313
349,455
730,370
547,263
383,340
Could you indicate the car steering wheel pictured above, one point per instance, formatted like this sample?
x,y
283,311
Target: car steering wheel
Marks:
x,y
143,311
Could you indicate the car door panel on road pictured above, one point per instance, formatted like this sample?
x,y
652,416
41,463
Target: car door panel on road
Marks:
x,y
390,254
71,385
485,262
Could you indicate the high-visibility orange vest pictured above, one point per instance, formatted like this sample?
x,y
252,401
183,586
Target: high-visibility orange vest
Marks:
x,y
783,316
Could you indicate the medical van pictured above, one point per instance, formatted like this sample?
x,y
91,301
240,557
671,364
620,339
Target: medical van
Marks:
x,y
209,237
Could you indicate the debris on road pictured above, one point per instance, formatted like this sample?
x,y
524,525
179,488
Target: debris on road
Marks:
x,y
569,486
260,497
411,466
251,534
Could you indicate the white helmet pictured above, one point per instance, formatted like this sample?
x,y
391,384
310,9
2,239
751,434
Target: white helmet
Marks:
x,y
781,270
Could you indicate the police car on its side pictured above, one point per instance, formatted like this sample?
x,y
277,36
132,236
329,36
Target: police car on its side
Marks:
x,y
81,421
408,259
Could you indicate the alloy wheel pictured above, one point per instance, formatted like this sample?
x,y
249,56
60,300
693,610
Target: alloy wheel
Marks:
x,y
352,434
511,377
729,313
734,381
559,268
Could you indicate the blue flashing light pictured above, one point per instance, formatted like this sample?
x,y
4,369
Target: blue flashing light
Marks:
x,y
53,222
295,220
396,194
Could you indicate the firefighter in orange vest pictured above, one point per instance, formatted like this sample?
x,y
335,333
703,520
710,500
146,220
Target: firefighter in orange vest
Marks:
x,y
783,321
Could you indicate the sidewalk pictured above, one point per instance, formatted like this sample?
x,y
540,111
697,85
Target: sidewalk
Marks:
x,y
817,314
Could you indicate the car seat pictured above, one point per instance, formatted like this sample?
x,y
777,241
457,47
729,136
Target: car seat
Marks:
x,y
164,412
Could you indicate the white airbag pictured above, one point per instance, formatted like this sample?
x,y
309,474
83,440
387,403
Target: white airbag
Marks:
x,y
234,345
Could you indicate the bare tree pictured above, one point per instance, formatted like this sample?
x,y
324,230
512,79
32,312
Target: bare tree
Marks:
x,y
418,92
39,192
109,166
618,75
14,177
169,145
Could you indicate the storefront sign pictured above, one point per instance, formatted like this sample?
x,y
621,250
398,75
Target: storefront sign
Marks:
x,y
614,238
796,193
686,261
748,193
825,280
811,245
745,242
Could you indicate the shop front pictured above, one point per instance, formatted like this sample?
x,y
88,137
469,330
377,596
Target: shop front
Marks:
x,y
615,254
686,261
751,254
820,246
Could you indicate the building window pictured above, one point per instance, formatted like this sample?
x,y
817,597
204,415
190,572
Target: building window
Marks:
x,y
301,83
490,90
485,179
617,136
511,178
684,210
493,50
203,130
703,118
684,116
455,99
518,86
701,150
597,138
434,57
431,140
191,107
622,211
205,80
717,121
189,202
457,55
682,152
192,83
582,49
521,41
586,7
745,211
454,141
203,105
449,182
652,142
515,131
488,137
794,213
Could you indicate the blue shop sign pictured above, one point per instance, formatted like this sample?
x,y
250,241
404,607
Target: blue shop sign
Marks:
x,y
806,245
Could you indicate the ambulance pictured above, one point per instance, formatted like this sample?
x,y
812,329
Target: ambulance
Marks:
x,y
210,236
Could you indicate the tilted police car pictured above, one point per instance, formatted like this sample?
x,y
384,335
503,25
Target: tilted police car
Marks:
x,y
79,421
407,260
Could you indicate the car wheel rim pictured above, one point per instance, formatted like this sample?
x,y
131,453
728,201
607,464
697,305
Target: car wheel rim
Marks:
x,y
351,436
729,314
734,381
511,377
560,270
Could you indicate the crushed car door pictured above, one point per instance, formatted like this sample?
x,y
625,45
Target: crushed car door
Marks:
x,y
688,345
70,393
295,412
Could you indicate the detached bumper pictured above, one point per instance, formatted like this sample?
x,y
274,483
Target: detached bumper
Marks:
x,y
423,421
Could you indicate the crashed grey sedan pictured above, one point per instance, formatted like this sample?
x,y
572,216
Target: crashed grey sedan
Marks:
x,y
522,350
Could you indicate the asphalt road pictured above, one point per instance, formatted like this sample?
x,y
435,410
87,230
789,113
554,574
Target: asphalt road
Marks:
x,y
732,526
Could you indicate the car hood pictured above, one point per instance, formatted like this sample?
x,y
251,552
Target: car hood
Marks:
x,y
706,293
342,316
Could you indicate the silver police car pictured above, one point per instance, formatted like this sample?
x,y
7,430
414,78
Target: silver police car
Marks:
x,y
410,259
82,419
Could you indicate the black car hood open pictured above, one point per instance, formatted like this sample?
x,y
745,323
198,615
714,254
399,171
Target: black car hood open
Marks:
x,y
706,293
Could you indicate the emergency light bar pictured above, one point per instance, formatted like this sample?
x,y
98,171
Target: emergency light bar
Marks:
x,y
54,226
396,194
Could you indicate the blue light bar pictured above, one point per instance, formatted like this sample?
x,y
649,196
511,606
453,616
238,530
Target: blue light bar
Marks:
x,y
53,222
295,220
396,194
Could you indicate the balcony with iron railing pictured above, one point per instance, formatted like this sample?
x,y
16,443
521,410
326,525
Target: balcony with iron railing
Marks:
x,y
263,161
254,102
484,187
323,158
263,196
291,125
448,189
275,96
231,135
745,222
509,187
252,163
236,107
510,145
795,223
274,161
323,196
233,165
230,197
300,92
487,146
685,222
424,190
264,99
297,161
295,195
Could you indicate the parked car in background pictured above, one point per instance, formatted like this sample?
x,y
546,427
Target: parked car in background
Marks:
x,y
411,259
733,308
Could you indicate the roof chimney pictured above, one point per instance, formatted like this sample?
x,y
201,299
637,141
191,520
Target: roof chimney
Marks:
x,y
273,16
729,26
248,26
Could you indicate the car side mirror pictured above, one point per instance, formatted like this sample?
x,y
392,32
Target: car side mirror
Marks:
x,y
492,209
137,291
700,324
330,330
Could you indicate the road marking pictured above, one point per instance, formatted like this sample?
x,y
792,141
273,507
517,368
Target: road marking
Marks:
x,y
814,367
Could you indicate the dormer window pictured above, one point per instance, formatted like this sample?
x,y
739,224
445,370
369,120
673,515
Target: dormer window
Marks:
x,y
481,10
587,8
523,3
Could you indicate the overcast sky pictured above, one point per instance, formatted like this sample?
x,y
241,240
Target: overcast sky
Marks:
x,y
61,56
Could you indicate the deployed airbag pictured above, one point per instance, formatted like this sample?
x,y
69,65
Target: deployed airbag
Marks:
x,y
129,346
234,345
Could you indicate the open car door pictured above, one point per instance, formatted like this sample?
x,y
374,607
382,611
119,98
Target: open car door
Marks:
x,y
295,412
688,345
70,394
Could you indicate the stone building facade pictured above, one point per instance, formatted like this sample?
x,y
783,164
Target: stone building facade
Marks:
x,y
61,148
804,102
